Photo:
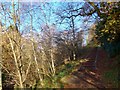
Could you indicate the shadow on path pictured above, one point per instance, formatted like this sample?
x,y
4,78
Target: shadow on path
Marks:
x,y
88,73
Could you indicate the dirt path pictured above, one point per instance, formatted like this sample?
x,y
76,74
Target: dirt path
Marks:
x,y
89,72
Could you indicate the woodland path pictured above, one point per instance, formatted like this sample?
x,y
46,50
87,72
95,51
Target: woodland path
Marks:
x,y
89,72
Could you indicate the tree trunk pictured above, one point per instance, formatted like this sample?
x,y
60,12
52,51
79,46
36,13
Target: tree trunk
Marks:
x,y
0,57
52,59
0,78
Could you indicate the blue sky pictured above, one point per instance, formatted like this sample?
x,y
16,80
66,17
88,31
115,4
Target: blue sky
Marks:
x,y
43,0
42,14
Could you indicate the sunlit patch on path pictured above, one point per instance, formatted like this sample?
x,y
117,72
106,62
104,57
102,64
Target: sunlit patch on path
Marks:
x,y
87,74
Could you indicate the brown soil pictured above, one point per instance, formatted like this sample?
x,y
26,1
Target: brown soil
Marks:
x,y
90,76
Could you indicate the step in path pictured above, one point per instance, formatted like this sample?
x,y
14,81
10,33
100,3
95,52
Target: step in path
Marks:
x,y
88,74
87,77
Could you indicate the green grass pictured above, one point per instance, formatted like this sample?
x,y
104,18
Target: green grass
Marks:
x,y
62,71
111,76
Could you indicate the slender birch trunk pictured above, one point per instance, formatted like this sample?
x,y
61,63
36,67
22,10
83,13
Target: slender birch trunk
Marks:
x,y
37,66
16,62
0,73
0,57
52,59
33,47
0,77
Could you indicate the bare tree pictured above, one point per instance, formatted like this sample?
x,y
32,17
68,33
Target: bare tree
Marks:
x,y
68,16
0,57
13,40
32,55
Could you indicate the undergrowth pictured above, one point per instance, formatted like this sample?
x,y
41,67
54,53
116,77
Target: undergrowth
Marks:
x,y
112,76
62,70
